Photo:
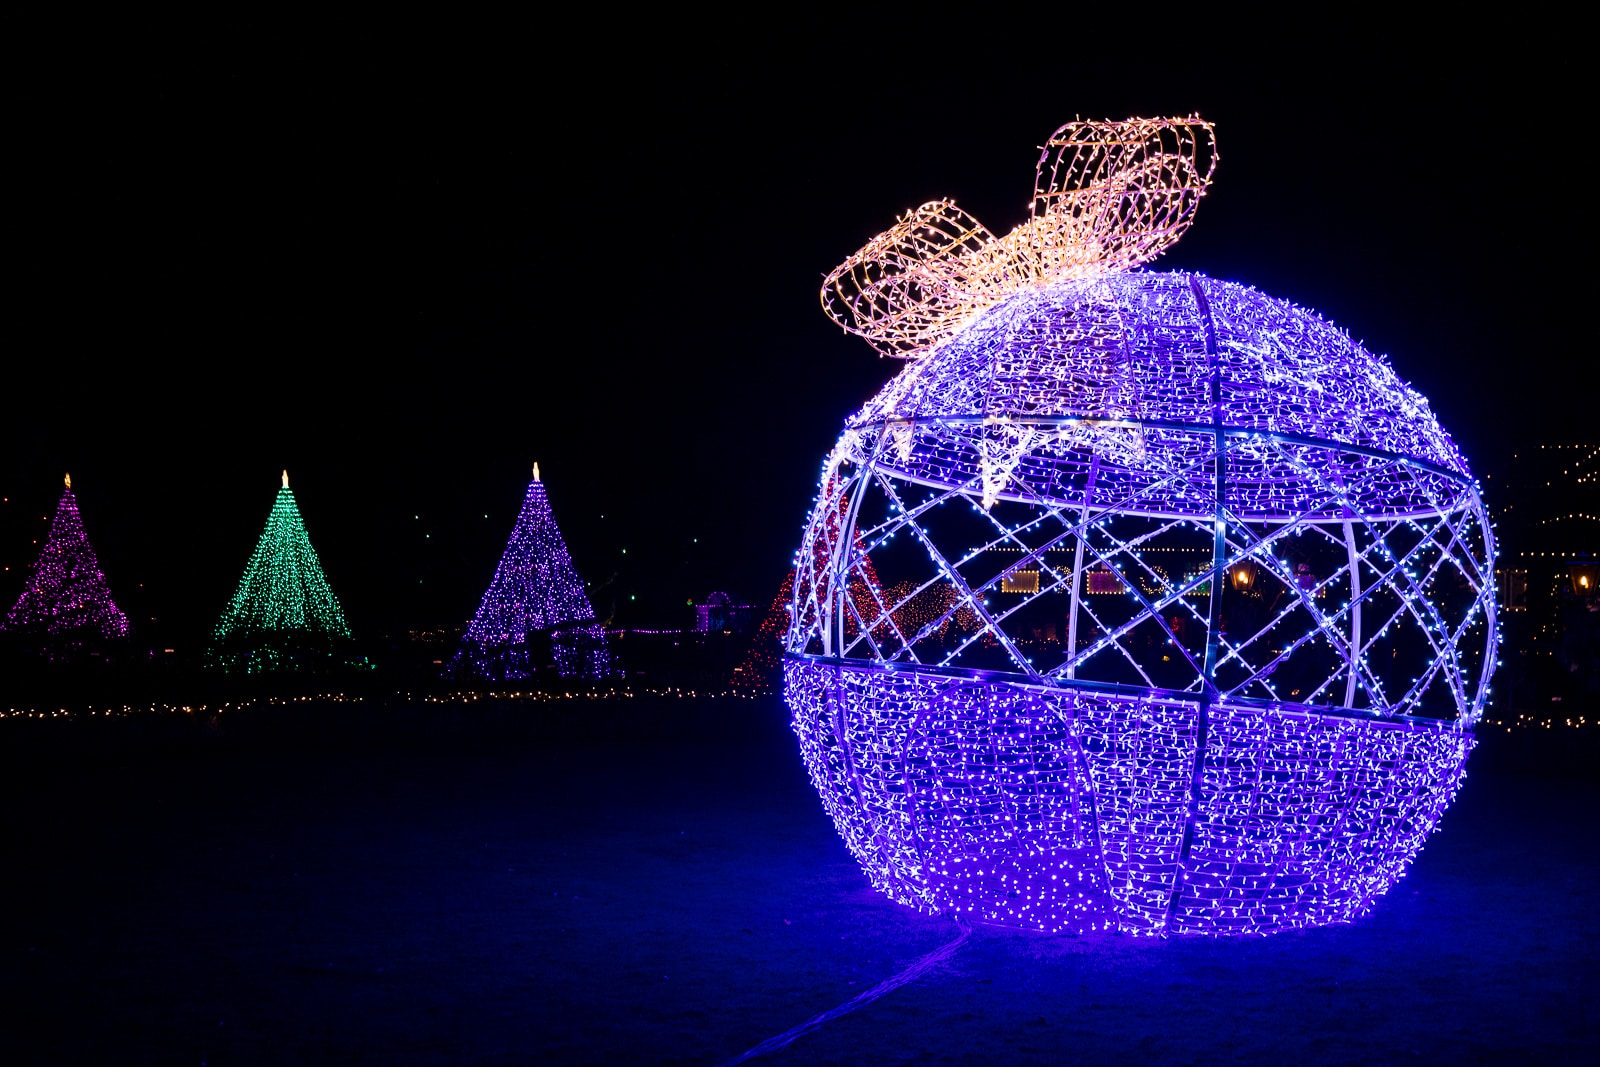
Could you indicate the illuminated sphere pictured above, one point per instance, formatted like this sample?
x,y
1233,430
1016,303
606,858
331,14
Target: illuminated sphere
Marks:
x,y
1055,664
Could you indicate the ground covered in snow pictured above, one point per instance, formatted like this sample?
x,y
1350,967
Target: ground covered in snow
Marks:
x,y
510,896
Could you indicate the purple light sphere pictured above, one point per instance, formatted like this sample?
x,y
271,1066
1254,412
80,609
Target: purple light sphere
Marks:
x,y
1182,616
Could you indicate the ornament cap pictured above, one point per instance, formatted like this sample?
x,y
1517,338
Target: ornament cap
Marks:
x,y
286,479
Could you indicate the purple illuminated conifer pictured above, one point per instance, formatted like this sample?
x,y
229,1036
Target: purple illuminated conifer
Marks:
x,y
66,595
536,593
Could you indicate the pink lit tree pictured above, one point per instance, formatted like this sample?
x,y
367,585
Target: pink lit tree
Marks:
x,y
535,596
1273,569
66,596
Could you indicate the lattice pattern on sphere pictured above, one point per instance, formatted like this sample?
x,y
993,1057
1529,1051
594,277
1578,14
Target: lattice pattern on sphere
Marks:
x,y
535,594
1073,452
1186,554
861,594
1067,811
1107,196
66,595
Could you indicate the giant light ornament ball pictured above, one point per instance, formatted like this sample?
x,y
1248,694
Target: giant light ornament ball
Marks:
x,y
1215,602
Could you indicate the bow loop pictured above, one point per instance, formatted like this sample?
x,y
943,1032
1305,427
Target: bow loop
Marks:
x,y
910,285
1107,196
1113,195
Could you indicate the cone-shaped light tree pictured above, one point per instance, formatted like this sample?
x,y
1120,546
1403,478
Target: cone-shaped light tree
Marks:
x,y
536,596
66,597
284,614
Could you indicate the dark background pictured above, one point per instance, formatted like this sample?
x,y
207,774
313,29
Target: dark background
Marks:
x,y
406,273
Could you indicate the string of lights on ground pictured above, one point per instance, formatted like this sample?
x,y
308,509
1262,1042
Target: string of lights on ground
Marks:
x,y
462,698
1520,721
1183,602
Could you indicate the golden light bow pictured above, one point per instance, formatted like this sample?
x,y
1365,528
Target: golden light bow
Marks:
x,y
1107,196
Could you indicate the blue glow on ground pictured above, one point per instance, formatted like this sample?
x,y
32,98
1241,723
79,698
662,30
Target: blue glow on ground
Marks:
x,y
605,903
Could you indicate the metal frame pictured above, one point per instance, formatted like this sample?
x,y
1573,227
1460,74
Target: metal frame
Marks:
x,y
1233,543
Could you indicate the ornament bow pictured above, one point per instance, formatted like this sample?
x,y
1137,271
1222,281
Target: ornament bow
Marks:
x,y
1107,196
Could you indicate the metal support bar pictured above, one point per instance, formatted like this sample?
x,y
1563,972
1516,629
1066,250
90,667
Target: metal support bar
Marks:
x,y
1219,552
1077,567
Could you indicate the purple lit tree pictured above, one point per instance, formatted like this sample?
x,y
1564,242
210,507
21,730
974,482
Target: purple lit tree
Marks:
x,y
536,596
67,596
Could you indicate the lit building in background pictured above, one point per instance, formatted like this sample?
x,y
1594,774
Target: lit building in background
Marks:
x,y
1546,503
720,613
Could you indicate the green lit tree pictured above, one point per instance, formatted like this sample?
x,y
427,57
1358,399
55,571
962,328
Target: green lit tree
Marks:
x,y
284,615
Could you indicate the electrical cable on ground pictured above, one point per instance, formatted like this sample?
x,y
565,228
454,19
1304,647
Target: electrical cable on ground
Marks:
x,y
888,985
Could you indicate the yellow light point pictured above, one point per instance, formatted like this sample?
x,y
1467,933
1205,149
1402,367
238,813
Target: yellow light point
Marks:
x,y
286,479
535,472
69,481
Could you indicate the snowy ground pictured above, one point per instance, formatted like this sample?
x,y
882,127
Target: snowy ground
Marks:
x,y
516,902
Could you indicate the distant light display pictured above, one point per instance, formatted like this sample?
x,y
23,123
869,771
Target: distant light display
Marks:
x,y
1191,600
66,595
762,667
284,614
536,594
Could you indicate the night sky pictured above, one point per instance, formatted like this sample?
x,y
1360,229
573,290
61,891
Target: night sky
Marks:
x,y
407,276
